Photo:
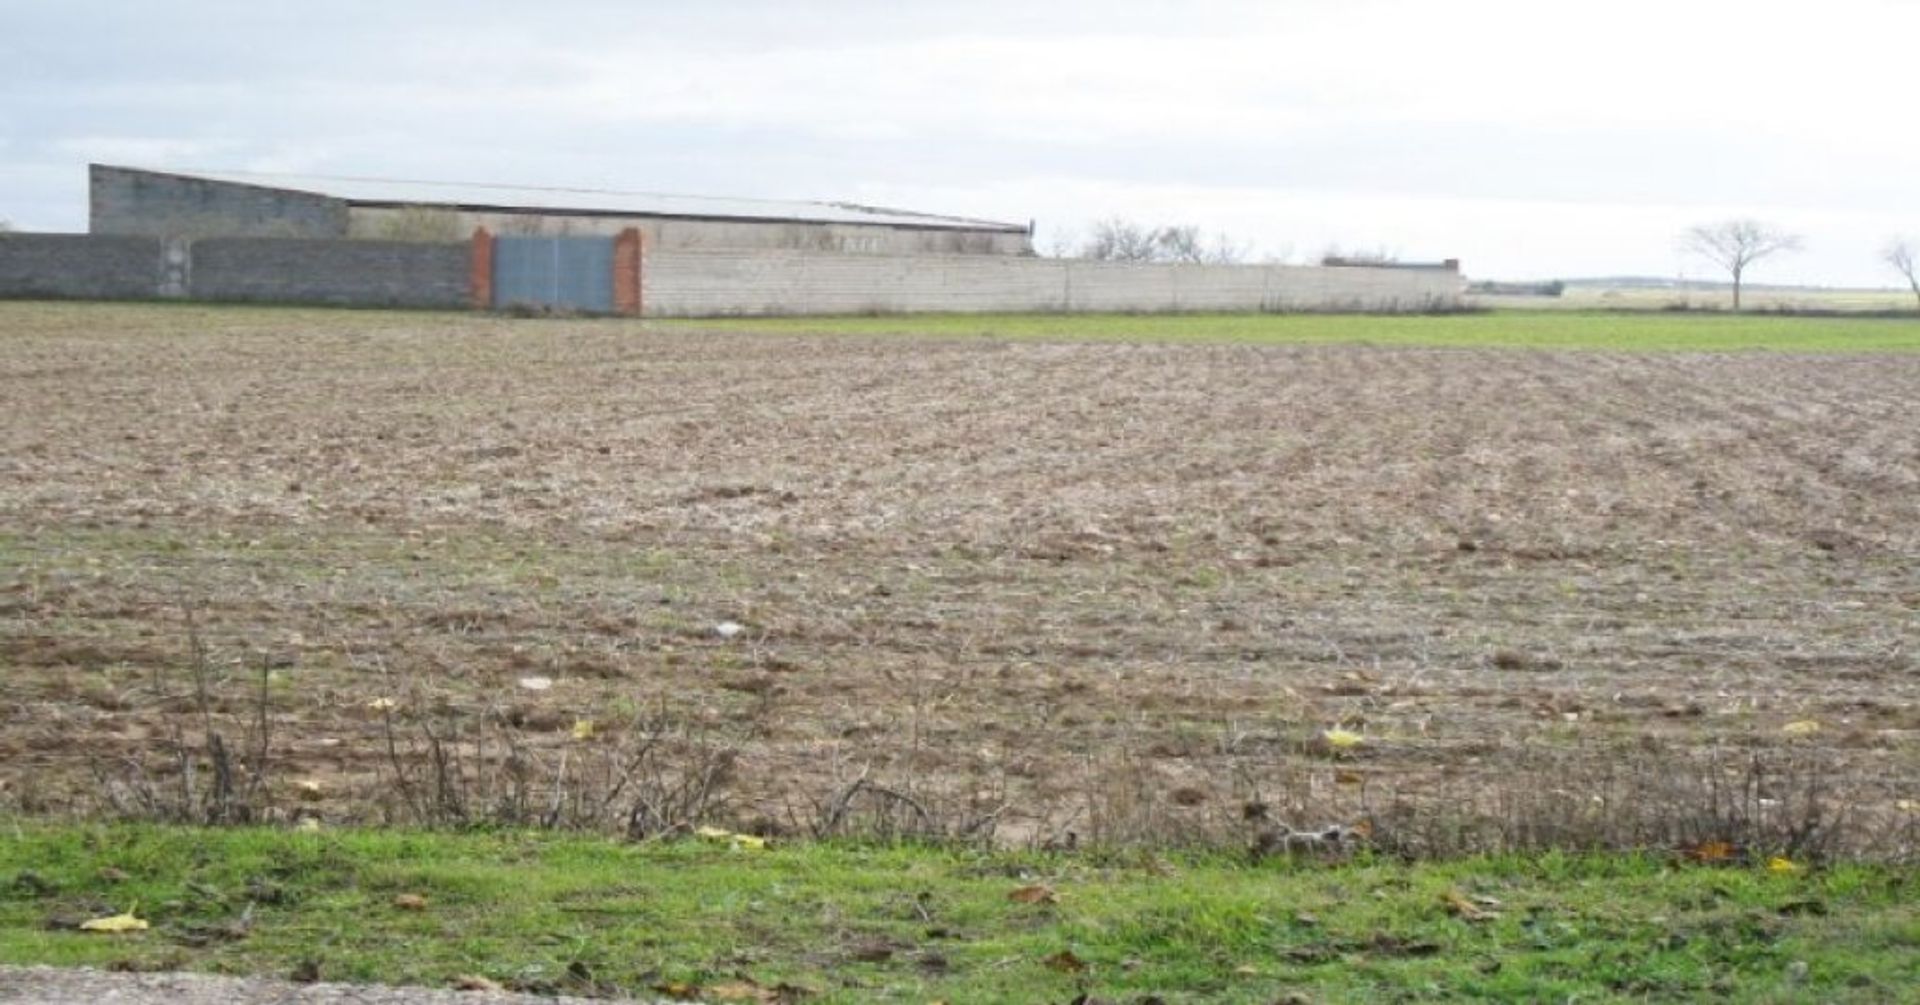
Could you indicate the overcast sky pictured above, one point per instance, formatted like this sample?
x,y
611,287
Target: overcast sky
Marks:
x,y
1530,139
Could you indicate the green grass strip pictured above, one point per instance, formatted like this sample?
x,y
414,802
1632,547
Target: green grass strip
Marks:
x,y
854,923
1637,332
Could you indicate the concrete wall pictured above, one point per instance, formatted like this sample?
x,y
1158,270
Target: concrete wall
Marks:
x,y
680,283
445,224
358,273
155,204
79,266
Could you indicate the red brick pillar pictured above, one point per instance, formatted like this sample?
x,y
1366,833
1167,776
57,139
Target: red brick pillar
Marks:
x,y
628,264
480,271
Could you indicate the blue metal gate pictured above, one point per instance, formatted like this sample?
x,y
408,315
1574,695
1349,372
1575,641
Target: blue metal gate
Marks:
x,y
575,273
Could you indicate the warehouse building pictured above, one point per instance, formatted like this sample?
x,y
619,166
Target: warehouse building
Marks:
x,y
283,239
128,201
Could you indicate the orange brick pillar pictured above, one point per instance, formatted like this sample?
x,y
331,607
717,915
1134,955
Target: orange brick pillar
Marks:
x,y
629,263
480,271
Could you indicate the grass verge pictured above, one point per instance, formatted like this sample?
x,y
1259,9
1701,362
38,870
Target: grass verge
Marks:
x,y
1646,332
833,922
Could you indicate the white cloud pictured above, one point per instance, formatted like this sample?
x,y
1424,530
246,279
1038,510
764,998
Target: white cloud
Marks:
x,y
1528,138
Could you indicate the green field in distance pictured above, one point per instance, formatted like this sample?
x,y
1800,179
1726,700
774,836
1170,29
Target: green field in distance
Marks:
x,y
1666,332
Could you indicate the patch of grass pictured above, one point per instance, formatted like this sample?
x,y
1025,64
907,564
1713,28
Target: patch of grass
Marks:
x,y
1502,329
851,923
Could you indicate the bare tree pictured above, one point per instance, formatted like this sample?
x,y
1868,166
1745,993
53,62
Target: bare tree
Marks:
x,y
1120,240
1736,244
1179,243
1899,253
1185,243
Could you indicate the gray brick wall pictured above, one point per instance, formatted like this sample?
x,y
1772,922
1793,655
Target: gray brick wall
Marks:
x,y
79,266
356,273
156,204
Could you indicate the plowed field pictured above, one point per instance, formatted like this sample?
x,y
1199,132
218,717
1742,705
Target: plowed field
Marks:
x,y
1110,589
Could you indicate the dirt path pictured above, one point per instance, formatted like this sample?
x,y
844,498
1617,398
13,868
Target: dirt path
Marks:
x,y
54,986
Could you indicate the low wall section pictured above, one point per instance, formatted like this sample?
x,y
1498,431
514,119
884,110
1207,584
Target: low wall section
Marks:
x,y
79,266
357,273
266,269
706,283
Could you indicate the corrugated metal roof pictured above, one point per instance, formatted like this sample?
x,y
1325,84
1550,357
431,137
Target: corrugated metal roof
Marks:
x,y
515,198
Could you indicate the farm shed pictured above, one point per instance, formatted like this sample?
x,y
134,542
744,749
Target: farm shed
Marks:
x,y
129,201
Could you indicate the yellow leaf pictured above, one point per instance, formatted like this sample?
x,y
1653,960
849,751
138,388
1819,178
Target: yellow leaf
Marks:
x,y
1777,864
308,825
1804,727
410,902
382,705
115,925
740,991
738,841
1710,852
1458,905
1036,894
583,729
1341,738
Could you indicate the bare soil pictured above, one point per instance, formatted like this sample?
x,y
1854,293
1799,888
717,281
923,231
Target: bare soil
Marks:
x,y
1097,588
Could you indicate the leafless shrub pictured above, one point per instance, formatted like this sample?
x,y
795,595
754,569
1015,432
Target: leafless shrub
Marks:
x,y
855,805
658,775
201,777
1763,801
1760,800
